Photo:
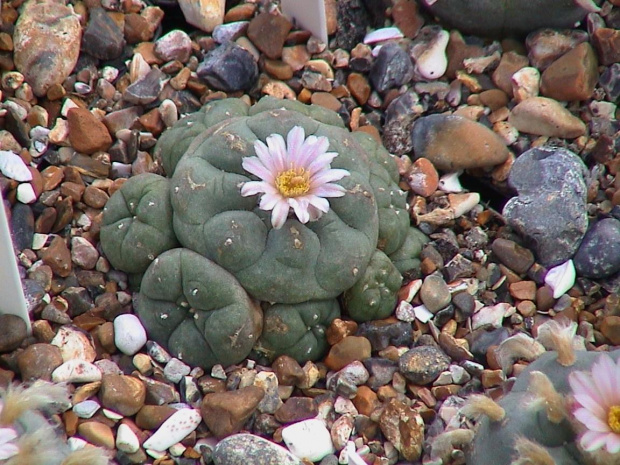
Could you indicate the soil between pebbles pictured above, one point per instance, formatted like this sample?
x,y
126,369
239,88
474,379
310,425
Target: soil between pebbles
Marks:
x,y
82,131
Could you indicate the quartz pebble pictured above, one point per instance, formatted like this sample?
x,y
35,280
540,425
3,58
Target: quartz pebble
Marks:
x,y
204,14
74,344
308,439
129,334
13,166
76,371
174,429
126,439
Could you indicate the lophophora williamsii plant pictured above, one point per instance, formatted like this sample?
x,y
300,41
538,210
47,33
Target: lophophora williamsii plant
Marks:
x,y
28,435
271,220
563,409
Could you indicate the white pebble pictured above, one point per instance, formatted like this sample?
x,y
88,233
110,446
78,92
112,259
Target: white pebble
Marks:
x,y
308,439
492,315
86,409
353,457
12,166
450,183
76,371
422,313
129,334
433,62
463,203
561,278
385,33
25,193
126,439
405,311
74,344
174,429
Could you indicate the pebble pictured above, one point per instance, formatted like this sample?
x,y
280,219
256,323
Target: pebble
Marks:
x,y
83,253
391,68
454,143
348,350
573,76
492,315
147,89
607,43
86,409
76,371
598,255
175,369
404,428
204,14
423,364
180,424
225,413
38,361
122,394
517,258
561,278
242,449
432,63
126,439
229,67
287,370
46,44
87,134
510,63
14,331
74,344
423,178
175,45
308,439
610,328
102,38
525,83
546,117
547,45
97,433
550,210
129,334
14,167
296,409
434,293
268,32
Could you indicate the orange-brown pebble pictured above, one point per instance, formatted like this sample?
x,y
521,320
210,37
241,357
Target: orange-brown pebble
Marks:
x,y
523,290
572,76
423,178
365,400
359,87
494,99
348,350
326,100
510,63
97,433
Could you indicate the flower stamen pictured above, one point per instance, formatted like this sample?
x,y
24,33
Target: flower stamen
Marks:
x,y
613,418
293,182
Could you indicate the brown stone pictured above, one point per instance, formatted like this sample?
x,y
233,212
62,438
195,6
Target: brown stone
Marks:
x,y
407,17
572,76
86,133
546,117
326,100
607,43
296,409
404,428
296,56
97,433
365,400
73,190
121,393
225,413
339,329
510,63
14,331
58,257
151,417
52,177
494,99
242,12
457,51
492,378
278,69
287,370
95,197
348,350
423,178
523,290
137,29
268,32
359,87
38,361
611,329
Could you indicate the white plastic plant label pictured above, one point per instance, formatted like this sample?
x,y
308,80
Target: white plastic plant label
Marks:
x,y
309,15
12,298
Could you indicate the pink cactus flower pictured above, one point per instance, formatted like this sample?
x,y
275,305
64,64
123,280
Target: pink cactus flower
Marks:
x,y
294,175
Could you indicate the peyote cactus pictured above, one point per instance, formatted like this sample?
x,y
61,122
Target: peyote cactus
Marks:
x,y
236,175
538,422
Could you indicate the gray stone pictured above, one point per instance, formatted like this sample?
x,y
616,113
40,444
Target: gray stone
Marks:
x,y
14,331
399,118
352,21
229,67
392,68
147,89
434,293
598,255
423,364
550,209
610,82
229,31
102,38
246,449
22,226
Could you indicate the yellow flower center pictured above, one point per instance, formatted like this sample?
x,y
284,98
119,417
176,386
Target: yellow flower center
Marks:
x,y
293,182
613,418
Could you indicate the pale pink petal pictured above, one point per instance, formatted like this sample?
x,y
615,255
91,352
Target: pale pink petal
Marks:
x,y
314,212
603,372
319,203
277,148
8,450
7,434
590,404
613,443
263,154
312,148
329,190
593,440
591,421
279,214
295,140
327,176
581,383
257,168
253,188
321,162
269,200
300,207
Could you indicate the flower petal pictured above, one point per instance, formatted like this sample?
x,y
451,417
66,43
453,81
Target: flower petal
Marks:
x,y
593,440
319,203
613,443
591,421
295,141
590,404
8,450
313,147
582,383
329,190
269,200
314,212
321,162
253,187
279,214
300,207
257,168
603,371
265,157
7,434
327,176
277,149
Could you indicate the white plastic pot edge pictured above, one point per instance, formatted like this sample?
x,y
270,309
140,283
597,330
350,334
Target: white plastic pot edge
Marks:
x,y
309,15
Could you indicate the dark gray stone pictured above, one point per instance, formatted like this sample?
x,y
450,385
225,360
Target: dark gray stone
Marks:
x,y
353,19
610,82
381,371
147,89
598,255
22,226
392,68
102,38
382,334
399,118
246,449
508,17
229,67
423,364
550,209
